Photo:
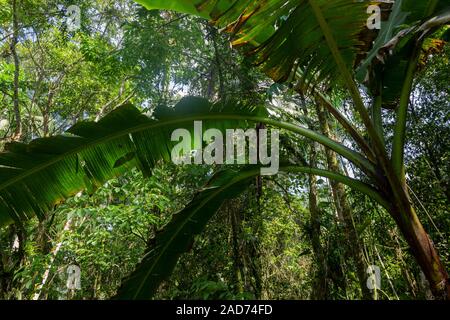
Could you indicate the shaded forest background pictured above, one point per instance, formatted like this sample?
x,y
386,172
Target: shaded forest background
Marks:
x,y
281,239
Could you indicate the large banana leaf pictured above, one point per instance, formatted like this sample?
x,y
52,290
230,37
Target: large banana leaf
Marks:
x,y
36,176
178,235
279,35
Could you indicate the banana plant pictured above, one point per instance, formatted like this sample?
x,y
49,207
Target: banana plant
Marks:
x,y
37,176
310,44
317,43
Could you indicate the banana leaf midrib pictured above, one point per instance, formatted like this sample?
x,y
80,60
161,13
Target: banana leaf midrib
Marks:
x,y
94,142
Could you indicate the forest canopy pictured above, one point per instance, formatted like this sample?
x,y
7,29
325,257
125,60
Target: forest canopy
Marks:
x,y
200,149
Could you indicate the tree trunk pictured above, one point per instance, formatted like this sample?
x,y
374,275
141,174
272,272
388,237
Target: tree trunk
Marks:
x,y
237,261
409,278
15,40
46,274
320,290
344,212
11,258
422,247
218,65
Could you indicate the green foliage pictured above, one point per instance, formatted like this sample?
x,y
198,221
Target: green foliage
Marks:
x,y
228,240
91,153
286,39
177,236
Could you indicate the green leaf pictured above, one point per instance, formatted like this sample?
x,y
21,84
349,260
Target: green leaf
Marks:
x,y
180,6
418,11
388,29
177,237
279,34
387,62
36,176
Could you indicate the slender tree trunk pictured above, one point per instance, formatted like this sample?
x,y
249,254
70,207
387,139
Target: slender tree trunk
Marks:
x,y
46,274
45,124
343,209
237,261
218,64
320,290
409,278
15,40
435,168
11,258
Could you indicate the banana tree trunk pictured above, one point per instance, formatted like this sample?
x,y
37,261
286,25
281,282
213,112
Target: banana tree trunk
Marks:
x,y
422,247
